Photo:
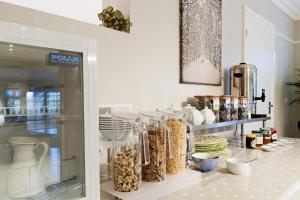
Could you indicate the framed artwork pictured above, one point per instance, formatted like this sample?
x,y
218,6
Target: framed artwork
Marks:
x,y
201,42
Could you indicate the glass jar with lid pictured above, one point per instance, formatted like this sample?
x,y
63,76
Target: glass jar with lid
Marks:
x,y
234,108
160,138
243,107
199,103
225,108
182,142
128,160
259,137
251,141
267,135
211,102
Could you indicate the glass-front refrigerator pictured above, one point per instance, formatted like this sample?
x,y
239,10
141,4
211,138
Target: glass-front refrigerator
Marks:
x,y
41,123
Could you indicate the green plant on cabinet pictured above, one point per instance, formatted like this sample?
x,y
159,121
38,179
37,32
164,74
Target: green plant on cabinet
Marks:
x,y
114,19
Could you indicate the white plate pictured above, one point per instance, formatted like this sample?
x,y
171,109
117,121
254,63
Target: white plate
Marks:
x,y
116,125
110,124
279,143
271,145
116,128
268,148
286,141
128,125
116,122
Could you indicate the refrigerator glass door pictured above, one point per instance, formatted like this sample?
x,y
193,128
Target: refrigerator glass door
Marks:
x,y
41,123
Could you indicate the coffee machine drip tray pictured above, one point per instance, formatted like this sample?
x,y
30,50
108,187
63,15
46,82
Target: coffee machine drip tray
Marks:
x,y
258,116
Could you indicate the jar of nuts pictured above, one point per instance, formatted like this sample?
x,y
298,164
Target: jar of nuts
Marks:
x,y
159,134
225,108
127,161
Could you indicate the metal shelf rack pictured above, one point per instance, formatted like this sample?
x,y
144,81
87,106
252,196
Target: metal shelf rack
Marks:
x,y
218,125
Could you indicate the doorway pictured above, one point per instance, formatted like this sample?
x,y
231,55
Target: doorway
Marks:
x,y
259,50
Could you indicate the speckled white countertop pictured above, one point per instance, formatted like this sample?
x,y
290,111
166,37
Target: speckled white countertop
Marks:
x,y
274,175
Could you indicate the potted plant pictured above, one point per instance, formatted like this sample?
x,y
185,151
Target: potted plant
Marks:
x,y
114,19
296,86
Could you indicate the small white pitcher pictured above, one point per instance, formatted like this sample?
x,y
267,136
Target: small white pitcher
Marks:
x,y
25,179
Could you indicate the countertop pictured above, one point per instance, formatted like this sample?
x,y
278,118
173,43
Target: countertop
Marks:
x,y
274,175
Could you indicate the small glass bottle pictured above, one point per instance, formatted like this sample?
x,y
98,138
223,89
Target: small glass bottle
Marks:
x,y
274,134
267,135
259,138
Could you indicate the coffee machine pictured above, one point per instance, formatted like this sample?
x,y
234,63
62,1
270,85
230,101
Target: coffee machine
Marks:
x,y
243,82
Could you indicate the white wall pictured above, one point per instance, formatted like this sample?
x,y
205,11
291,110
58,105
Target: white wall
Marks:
x,y
142,68
122,5
297,31
81,10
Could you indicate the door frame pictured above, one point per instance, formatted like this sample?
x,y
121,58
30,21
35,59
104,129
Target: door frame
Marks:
x,y
27,35
248,12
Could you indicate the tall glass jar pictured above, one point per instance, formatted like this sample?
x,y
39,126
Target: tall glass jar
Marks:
x,y
234,108
225,108
243,108
159,139
128,160
176,165
182,142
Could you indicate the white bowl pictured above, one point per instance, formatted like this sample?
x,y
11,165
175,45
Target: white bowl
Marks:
x,y
238,166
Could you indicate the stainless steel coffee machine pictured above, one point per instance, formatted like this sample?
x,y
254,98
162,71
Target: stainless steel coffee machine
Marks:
x,y
244,83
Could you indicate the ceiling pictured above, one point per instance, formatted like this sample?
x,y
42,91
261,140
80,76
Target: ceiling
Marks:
x,y
289,7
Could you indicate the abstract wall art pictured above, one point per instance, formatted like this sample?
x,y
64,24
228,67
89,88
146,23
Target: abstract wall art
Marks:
x,y
201,41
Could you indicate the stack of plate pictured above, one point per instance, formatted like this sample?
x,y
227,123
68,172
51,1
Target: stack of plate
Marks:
x,y
215,145
108,126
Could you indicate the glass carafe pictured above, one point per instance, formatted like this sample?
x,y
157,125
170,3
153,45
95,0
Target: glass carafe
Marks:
x,y
127,161
159,141
182,142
